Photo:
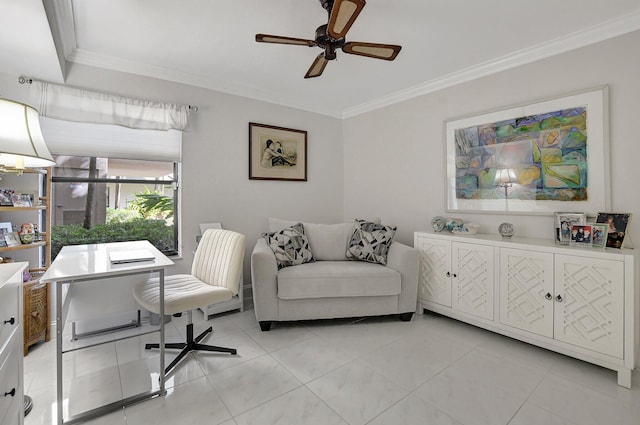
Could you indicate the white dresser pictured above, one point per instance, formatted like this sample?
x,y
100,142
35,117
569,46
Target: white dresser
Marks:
x,y
581,302
11,380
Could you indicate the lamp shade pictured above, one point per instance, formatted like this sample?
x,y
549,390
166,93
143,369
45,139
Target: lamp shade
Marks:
x,y
505,176
21,142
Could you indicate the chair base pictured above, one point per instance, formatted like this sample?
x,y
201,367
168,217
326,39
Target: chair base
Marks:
x,y
192,344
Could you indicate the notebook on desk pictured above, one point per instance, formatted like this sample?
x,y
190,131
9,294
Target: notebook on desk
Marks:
x,y
130,256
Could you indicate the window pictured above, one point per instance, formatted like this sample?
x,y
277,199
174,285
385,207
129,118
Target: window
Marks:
x,y
111,200
97,196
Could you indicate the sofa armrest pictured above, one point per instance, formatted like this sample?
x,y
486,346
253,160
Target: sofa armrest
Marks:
x,y
404,259
264,282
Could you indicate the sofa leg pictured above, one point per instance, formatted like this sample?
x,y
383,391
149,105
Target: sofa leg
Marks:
x,y
265,326
406,317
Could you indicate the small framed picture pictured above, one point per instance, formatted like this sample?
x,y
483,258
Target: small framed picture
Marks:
x,y
5,197
564,222
12,239
5,227
277,153
599,235
581,235
616,227
22,200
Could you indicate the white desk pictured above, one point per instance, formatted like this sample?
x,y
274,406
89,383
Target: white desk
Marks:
x,y
87,264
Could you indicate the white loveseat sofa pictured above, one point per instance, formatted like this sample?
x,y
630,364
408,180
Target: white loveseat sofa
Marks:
x,y
333,286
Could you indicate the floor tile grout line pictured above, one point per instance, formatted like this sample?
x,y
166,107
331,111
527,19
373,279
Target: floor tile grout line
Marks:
x,y
529,397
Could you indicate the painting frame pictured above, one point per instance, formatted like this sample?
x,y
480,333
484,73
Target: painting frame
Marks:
x,y
596,181
277,153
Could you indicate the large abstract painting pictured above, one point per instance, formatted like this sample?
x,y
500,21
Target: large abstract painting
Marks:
x,y
538,158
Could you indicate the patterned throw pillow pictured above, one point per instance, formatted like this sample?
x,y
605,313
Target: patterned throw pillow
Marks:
x,y
290,246
370,242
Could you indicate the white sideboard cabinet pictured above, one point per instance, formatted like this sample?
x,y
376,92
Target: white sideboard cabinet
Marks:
x,y
581,302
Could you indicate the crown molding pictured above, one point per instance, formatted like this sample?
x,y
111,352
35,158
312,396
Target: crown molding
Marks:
x,y
597,33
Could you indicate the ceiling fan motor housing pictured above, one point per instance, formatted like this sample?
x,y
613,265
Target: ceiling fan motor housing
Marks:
x,y
329,44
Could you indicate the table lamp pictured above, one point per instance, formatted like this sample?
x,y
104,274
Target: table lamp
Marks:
x,y
21,142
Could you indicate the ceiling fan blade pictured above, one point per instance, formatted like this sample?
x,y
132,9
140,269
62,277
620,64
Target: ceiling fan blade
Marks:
x,y
266,38
343,15
317,67
372,50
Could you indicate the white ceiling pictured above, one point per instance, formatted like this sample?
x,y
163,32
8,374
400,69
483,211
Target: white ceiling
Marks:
x,y
210,43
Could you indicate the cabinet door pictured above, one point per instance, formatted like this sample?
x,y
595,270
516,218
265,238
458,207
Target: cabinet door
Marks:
x,y
589,303
526,290
472,279
435,265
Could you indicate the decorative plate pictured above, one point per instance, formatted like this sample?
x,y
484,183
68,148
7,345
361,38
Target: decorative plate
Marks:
x,y
438,223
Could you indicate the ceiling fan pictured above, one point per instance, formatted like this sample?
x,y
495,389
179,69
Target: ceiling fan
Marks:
x,y
330,36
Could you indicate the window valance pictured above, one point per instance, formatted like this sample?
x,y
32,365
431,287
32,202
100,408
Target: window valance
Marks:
x,y
110,141
80,105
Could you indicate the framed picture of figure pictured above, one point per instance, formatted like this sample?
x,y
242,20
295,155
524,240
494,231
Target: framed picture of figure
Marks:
x,y
277,153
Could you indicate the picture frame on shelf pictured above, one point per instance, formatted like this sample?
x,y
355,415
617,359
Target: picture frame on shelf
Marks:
x,y
12,239
581,235
22,199
535,158
5,227
599,235
277,153
5,197
617,224
564,222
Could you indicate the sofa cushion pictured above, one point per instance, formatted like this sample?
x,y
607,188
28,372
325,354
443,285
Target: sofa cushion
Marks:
x,y
370,242
329,279
328,242
290,246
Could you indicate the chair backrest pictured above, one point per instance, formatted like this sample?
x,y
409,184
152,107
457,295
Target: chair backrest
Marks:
x,y
219,258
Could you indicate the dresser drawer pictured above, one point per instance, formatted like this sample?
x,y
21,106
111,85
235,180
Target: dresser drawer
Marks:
x,y
10,380
10,298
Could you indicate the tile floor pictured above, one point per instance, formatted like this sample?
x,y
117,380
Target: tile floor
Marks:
x,y
377,371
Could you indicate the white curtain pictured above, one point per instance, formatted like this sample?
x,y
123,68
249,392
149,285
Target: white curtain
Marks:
x,y
80,105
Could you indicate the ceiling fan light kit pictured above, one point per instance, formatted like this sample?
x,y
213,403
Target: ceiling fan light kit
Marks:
x,y
331,36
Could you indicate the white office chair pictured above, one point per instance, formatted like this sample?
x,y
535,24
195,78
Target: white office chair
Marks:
x,y
235,303
214,278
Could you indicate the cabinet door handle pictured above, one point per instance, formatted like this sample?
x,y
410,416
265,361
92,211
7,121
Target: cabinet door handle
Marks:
x,y
448,274
11,393
548,296
455,275
10,321
559,298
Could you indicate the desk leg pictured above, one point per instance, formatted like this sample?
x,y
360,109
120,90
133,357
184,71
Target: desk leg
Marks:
x,y
161,289
59,329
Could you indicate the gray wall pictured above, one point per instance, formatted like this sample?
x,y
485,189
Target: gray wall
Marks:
x,y
406,141
215,183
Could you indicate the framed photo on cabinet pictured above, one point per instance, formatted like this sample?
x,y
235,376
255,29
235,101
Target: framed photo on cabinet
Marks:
x,y
564,225
599,238
617,224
